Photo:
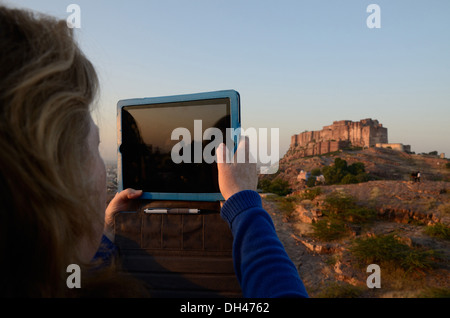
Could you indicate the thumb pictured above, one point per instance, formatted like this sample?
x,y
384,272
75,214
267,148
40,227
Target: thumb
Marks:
x,y
221,153
129,194
133,194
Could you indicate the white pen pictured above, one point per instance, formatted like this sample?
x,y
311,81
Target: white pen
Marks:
x,y
172,211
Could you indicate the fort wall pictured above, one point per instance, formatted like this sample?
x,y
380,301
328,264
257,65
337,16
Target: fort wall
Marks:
x,y
341,134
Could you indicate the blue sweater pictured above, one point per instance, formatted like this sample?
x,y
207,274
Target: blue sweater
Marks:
x,y
262,266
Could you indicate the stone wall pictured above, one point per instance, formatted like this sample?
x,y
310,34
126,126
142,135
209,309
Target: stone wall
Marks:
x,y
396,146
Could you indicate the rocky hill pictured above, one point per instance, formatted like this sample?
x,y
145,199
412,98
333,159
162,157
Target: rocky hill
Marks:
x,y
409,212
381,163
405,225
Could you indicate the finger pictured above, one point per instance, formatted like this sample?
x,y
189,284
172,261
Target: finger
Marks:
x,y
247,148
243,150
134,194
221,153
128,194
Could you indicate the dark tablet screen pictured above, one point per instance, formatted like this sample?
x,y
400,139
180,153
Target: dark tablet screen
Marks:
x,y
147,144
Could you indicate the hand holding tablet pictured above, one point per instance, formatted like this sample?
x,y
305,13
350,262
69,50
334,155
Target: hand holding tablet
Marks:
x,y
235,177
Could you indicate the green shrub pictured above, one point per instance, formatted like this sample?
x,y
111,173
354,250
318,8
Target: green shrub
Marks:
x,y
334,174
377,249
352,179
447,165
344,208
311,182
363,177
341,173
287,205
360,215
280,187
316,172
387,249
340,210
417,260
339,202
356,168
311,194
264,185
438,230
349,179
329,230
277,186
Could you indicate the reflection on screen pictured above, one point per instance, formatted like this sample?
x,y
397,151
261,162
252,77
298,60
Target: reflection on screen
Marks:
x,y
147,145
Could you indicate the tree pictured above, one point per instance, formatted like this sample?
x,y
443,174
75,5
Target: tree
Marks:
x,y
356,168
349,179
341,173
264,185
311,181
334,174
277,186
340,164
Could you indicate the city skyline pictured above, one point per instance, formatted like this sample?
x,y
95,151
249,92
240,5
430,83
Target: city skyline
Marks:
x,y
298,65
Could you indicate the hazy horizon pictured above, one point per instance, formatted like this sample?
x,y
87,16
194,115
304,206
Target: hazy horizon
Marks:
x,y
298,65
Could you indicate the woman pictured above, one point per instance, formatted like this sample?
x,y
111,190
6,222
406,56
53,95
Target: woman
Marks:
x,y
52,178
53,185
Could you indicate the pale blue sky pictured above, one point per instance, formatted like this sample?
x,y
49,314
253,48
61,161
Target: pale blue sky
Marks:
x,y
298,65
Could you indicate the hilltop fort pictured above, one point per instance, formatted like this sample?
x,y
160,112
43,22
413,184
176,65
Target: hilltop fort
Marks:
x,y
344,134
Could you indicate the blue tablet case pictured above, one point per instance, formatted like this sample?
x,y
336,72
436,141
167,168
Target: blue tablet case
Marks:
x,y
234,102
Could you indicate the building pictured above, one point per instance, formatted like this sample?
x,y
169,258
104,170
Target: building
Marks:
x,y
339,135
397,146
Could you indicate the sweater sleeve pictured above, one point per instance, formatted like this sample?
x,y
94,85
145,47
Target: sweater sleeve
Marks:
x,y
105,253
261,263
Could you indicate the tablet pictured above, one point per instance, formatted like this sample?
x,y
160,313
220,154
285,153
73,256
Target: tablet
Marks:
x,y
165,144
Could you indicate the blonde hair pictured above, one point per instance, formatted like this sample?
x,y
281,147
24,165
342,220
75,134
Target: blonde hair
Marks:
x,y
47,87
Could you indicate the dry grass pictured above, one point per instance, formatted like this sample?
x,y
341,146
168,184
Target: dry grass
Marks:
x,y
340,290
438,230
444,208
